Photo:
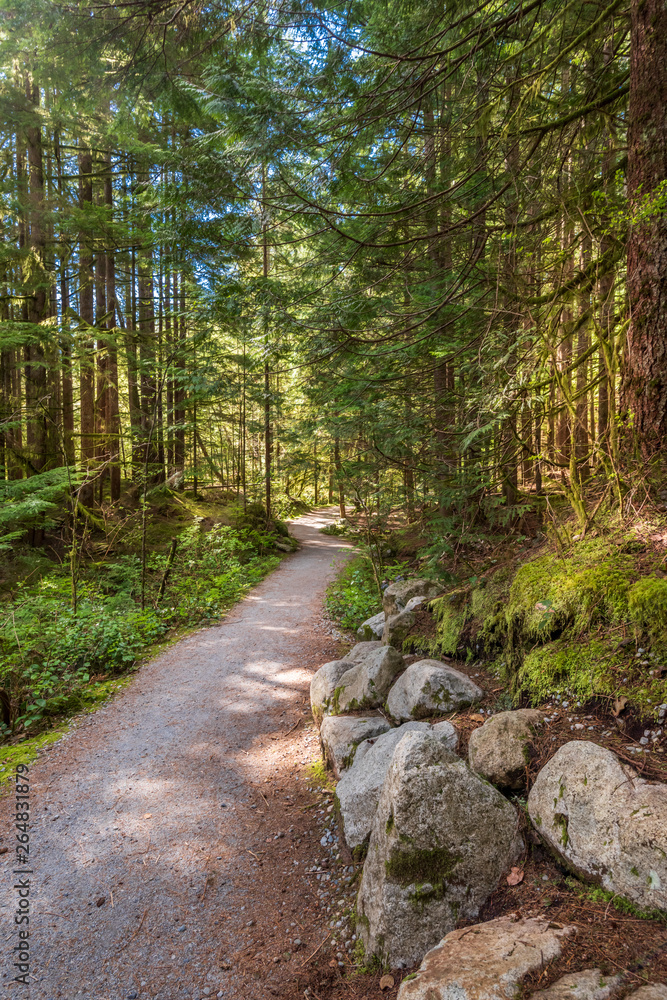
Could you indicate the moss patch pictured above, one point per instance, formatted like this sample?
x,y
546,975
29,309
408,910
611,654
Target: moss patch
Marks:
x,y
421,866
555,624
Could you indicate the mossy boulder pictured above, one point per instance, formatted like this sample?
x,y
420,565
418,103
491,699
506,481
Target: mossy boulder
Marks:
x,y
498,750
440,842
607,824
553,623
429,687
366,684
323,687
340,735
359,787
372,629
397,595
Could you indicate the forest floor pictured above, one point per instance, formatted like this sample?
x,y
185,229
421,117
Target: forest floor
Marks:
x,y
176,832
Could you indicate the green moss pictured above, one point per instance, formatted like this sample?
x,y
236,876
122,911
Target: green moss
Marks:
x,y
348,759
317,773
359,852
389,826
451,613
584,669
561,821
423,865
596,894
647,605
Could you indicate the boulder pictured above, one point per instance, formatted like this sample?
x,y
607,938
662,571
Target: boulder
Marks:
x,y
652,991
497,750
440,842
397,595
323,686
359,787
607,823
372,628
589,984
486,961
429,687
362,650
366,684
340,736
397,628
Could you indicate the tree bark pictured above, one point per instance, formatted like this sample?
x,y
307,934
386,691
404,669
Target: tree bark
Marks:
x,y
87,368
644,386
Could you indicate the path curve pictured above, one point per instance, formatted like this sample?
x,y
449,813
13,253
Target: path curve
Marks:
x,y
151,794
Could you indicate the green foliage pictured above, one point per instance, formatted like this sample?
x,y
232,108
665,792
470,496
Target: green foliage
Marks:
x,y
36,502
353,596
50,655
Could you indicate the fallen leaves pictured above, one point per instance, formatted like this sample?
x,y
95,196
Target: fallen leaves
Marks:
x,y
618,706
386,982
476,718
515,876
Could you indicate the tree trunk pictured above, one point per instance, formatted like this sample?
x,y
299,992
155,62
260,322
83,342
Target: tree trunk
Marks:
x,y
644,391
38,299
112,414
87,369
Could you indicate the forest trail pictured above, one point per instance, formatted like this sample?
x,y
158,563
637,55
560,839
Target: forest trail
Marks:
x,y
145,818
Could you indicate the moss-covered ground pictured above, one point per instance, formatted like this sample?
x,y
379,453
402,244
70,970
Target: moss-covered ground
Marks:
x,y
588,620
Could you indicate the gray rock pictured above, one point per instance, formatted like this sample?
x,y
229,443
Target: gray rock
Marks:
x,y
589,984
608,824
362,650
486,961
652,991
440,842
497,750
340,736
372,628
397,628
366,684
323,686
397,595
359,787
429,687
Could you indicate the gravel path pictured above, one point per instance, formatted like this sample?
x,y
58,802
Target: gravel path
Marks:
x,y
142,817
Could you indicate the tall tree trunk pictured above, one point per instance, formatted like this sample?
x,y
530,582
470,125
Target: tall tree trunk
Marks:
x,y
87,349
339,476
644,392
67,389
112,414
38,297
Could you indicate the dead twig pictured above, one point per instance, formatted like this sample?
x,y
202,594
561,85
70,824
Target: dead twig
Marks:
x,y
310,957
131,939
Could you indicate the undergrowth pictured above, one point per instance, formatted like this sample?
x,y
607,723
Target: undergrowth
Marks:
x,y
353,596
53,657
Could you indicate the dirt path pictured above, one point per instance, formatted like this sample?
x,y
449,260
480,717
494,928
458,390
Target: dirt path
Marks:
x,y
149,881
